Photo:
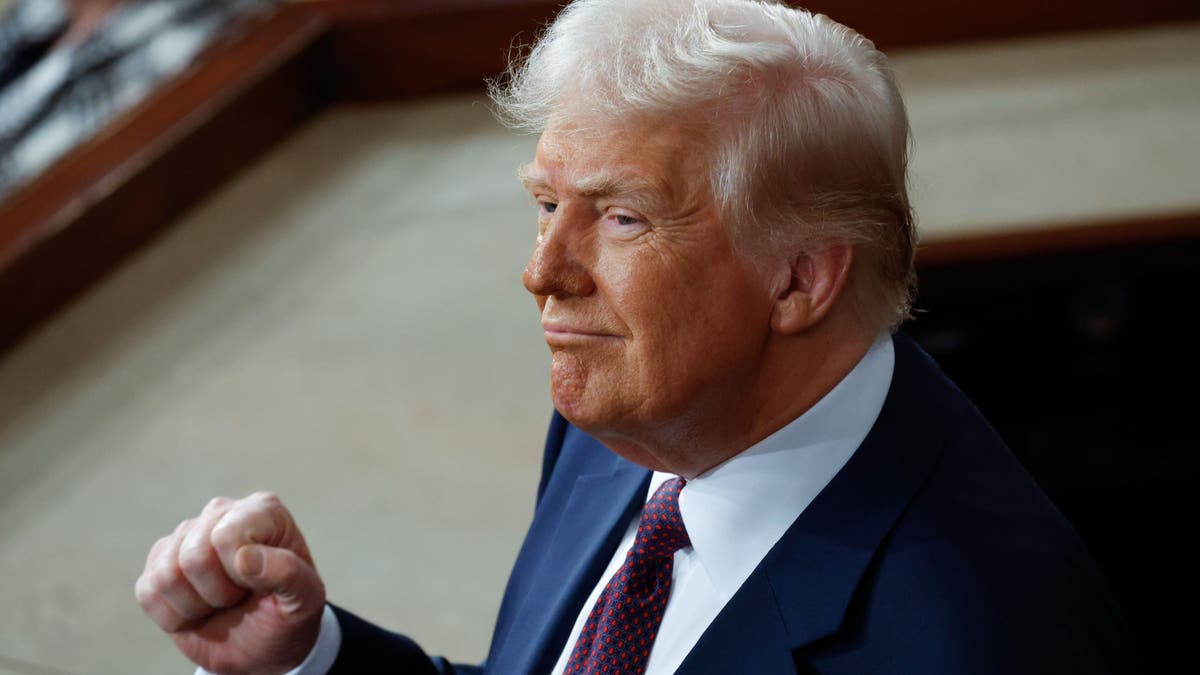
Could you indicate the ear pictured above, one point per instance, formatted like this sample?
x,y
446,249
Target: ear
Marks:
x,y
817,280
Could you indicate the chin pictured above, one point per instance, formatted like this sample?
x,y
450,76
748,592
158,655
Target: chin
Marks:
x,y
596,418
576,410
595,402
572,391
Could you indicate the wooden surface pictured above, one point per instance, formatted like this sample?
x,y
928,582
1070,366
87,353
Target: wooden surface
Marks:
x,y
111,195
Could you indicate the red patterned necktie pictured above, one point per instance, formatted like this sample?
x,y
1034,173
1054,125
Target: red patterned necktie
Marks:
x,y
620,630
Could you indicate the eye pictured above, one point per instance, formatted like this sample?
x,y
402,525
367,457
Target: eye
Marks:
x,y
547,207
625,223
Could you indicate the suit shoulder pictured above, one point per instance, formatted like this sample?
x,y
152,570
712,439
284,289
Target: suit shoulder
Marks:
x,y
981,565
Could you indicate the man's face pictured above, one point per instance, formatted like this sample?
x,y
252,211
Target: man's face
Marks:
x,y
655,323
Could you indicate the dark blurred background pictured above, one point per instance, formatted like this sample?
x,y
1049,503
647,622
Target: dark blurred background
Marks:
x,y
1087,366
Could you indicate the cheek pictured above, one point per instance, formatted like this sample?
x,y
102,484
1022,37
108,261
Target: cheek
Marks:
x,y
712,327
640,291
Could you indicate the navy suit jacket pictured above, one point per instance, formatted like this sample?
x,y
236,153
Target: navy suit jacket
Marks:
x,y
932,551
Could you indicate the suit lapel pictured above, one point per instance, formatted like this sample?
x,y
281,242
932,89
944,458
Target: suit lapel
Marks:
x,y
748,636
590,526
803,587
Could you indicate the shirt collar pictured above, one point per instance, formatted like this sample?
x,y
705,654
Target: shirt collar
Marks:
x,y
735,512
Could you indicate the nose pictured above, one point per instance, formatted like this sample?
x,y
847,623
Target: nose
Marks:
x,y
558,267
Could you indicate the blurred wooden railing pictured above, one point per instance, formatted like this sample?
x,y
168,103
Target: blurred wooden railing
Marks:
x,y
63,231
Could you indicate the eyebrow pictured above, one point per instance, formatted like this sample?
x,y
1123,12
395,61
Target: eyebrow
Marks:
x,y
531,177
600,185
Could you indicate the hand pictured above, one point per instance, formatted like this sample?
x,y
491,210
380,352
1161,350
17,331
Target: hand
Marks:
x,y
236,588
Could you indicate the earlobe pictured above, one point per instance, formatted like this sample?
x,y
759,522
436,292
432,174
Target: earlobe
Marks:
x,y
816,282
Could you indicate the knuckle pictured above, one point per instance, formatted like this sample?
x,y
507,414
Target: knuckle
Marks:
x,y
196,538
217,503
165,575
157,548
224,534
194,559
160,614
144,593
269,500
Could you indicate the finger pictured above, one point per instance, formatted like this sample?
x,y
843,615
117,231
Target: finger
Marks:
x,y
258,519
156,607
162,591
147,597
200,563
167,579
282,573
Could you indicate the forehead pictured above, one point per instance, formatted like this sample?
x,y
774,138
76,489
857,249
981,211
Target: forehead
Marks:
x,y
639,155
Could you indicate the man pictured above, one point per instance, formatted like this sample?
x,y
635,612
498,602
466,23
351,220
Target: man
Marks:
x,y
747,472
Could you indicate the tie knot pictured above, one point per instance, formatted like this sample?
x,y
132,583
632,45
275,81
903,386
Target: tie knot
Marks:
x,y
660,530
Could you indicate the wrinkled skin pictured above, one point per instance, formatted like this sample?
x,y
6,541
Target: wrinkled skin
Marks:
x,y
236,588
656,325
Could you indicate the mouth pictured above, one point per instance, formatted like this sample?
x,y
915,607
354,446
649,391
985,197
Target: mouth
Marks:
x,y
560,334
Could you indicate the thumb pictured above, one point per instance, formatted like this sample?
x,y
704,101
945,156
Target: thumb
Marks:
x,y
280,572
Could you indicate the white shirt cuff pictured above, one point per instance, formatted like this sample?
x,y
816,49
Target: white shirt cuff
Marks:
x,y
320,660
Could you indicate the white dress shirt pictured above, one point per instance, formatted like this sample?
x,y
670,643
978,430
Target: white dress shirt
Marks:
x,y
734,513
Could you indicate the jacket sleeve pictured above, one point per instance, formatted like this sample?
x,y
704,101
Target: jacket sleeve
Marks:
x,y
368,649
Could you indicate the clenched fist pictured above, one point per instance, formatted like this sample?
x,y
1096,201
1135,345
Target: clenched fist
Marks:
x,y
236,588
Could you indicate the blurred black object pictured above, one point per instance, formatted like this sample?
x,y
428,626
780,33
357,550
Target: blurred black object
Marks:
x,y
68,67
1087,366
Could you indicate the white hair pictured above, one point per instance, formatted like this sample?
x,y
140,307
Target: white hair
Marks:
x,y
809,134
